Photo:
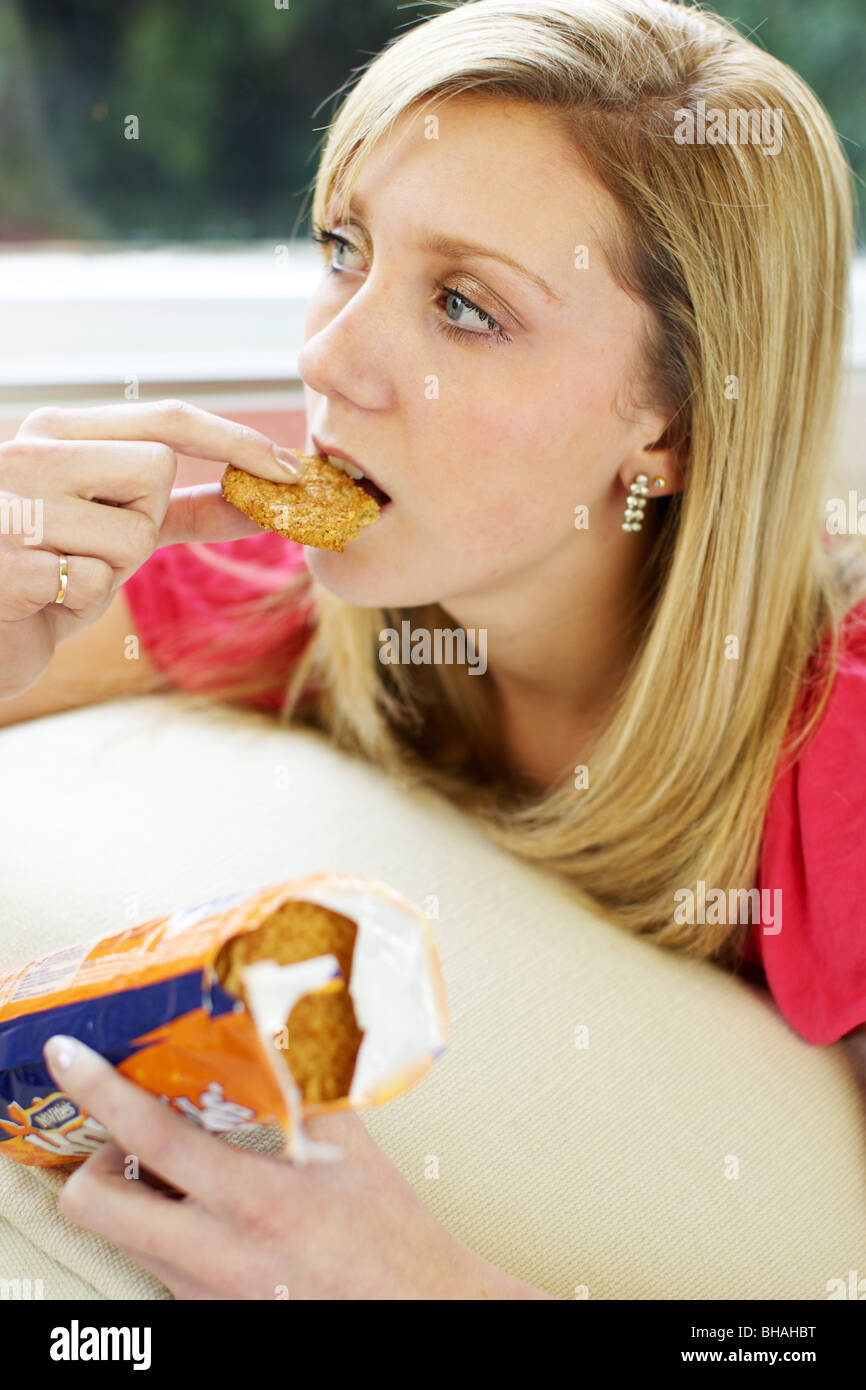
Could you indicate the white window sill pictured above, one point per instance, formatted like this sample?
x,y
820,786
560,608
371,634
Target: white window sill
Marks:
x,y
89,320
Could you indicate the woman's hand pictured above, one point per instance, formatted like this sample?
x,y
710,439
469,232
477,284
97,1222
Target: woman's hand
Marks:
x,y
95,485
247,1226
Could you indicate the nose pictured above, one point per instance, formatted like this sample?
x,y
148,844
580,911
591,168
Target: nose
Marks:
x,y
348,348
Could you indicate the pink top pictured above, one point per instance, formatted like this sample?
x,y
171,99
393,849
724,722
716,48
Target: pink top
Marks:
x,y
814,845
814,851
180,600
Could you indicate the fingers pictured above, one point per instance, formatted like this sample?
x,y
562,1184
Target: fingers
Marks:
x,y
131,485
135,474
201,513
100,1196
177,1241
118,537
185,428
30,578
101,479
162,1141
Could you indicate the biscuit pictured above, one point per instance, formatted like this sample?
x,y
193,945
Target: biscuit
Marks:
x,y
325,508
323,1031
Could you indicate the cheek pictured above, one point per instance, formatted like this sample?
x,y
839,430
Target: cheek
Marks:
x,y
475,447
495,518
506,472
526,519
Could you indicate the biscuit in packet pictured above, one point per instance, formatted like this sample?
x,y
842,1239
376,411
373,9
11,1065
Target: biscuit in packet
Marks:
x,y
317,994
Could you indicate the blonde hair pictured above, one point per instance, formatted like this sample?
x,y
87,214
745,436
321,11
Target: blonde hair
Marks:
x,y
743,261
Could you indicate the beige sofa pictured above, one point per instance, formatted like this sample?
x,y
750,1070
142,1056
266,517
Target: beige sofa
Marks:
x,y
595,1171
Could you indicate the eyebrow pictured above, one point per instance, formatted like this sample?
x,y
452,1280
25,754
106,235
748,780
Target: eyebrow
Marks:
x,y
440,244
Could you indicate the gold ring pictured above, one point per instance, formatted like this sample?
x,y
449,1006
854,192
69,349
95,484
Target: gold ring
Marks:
x,y
64,580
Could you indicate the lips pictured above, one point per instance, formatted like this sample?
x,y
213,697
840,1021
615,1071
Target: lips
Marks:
x,y
349,465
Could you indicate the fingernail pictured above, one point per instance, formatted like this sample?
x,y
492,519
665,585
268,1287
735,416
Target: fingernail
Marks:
x,y
289,461
62,1051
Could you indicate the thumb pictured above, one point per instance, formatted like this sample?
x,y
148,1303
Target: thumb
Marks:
x,y
201,513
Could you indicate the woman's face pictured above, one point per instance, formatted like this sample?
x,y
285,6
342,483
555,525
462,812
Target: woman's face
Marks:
x,y
487,409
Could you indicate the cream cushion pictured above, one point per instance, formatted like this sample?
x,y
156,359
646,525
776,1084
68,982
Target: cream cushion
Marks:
x,y
600,1171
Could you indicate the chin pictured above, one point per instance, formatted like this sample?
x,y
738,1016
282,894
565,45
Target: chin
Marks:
x,y
364,582
355,583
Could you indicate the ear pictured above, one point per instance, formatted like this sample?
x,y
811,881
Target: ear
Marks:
x,y
657,460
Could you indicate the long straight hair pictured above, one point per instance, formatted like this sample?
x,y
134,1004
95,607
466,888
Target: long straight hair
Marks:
x,y
742,258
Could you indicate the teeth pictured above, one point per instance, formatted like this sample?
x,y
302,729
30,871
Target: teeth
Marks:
x,y
346,467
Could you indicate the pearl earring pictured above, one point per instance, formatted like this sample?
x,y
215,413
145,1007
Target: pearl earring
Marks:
x,y
636,501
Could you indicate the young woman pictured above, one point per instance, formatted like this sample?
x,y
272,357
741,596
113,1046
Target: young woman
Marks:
x,y
581,320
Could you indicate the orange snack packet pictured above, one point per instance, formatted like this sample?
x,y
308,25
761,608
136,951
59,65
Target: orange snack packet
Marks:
x,y
256,1009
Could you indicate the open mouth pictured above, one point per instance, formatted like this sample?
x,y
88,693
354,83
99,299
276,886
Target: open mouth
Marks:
x,y
364,483
373,490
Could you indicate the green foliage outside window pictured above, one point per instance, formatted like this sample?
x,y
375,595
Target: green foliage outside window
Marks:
x,y
232,98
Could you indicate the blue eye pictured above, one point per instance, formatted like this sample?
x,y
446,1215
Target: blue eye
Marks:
x,y
497,334
326,238
454,330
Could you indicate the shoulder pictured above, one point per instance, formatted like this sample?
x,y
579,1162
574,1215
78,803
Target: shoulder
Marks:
x,y
813,863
